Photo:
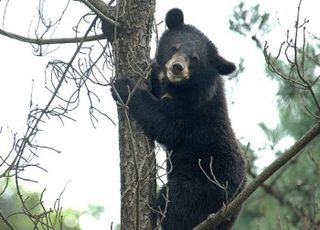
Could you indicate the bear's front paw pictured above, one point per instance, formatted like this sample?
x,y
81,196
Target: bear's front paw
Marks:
x,y
121,89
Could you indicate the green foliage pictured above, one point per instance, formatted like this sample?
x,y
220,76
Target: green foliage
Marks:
x,y
31,214
37,217
249,21
261,213
295,102
290,199
273,135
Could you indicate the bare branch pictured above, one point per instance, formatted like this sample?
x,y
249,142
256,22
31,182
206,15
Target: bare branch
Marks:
x,y
22,160
52,40
4,219
101,9
214,219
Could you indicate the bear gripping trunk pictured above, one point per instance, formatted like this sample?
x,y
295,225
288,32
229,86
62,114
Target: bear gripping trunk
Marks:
x,y
131,50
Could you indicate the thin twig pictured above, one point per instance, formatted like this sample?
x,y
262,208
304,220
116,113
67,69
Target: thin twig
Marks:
x,y
214,219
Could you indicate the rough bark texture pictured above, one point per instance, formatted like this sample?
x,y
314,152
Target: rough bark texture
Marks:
x,y
132,56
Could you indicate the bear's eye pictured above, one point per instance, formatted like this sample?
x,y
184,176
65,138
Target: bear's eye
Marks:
x,y
175,48
195,58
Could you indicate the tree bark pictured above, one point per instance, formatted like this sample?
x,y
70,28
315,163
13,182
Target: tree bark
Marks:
x,y
137,161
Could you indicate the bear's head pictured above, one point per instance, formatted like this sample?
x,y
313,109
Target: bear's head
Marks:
x,y
186,55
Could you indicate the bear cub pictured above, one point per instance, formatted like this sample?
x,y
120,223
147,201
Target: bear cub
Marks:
x,y
187,113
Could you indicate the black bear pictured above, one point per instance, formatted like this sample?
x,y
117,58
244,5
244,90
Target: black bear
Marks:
x,y
187,113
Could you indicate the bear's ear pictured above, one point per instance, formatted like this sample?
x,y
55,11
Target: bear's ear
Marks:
x,y
174,18
223,66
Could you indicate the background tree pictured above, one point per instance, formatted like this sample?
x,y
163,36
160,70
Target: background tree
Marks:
x,y
290,199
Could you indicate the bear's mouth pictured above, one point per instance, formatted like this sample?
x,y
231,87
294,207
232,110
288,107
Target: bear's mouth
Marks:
x,y
174,78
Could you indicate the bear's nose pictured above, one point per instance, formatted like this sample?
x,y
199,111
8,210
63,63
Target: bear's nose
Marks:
x,y
177,68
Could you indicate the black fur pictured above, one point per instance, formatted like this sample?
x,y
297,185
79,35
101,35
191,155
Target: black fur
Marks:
x,y
174,18
192,122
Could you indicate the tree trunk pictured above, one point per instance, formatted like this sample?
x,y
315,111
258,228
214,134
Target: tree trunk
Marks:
x,y
137,161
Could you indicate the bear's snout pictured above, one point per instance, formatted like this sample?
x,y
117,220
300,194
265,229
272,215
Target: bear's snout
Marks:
x,y
177,68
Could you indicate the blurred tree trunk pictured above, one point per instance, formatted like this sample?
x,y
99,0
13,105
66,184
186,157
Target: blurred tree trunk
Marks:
x,y
131,51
